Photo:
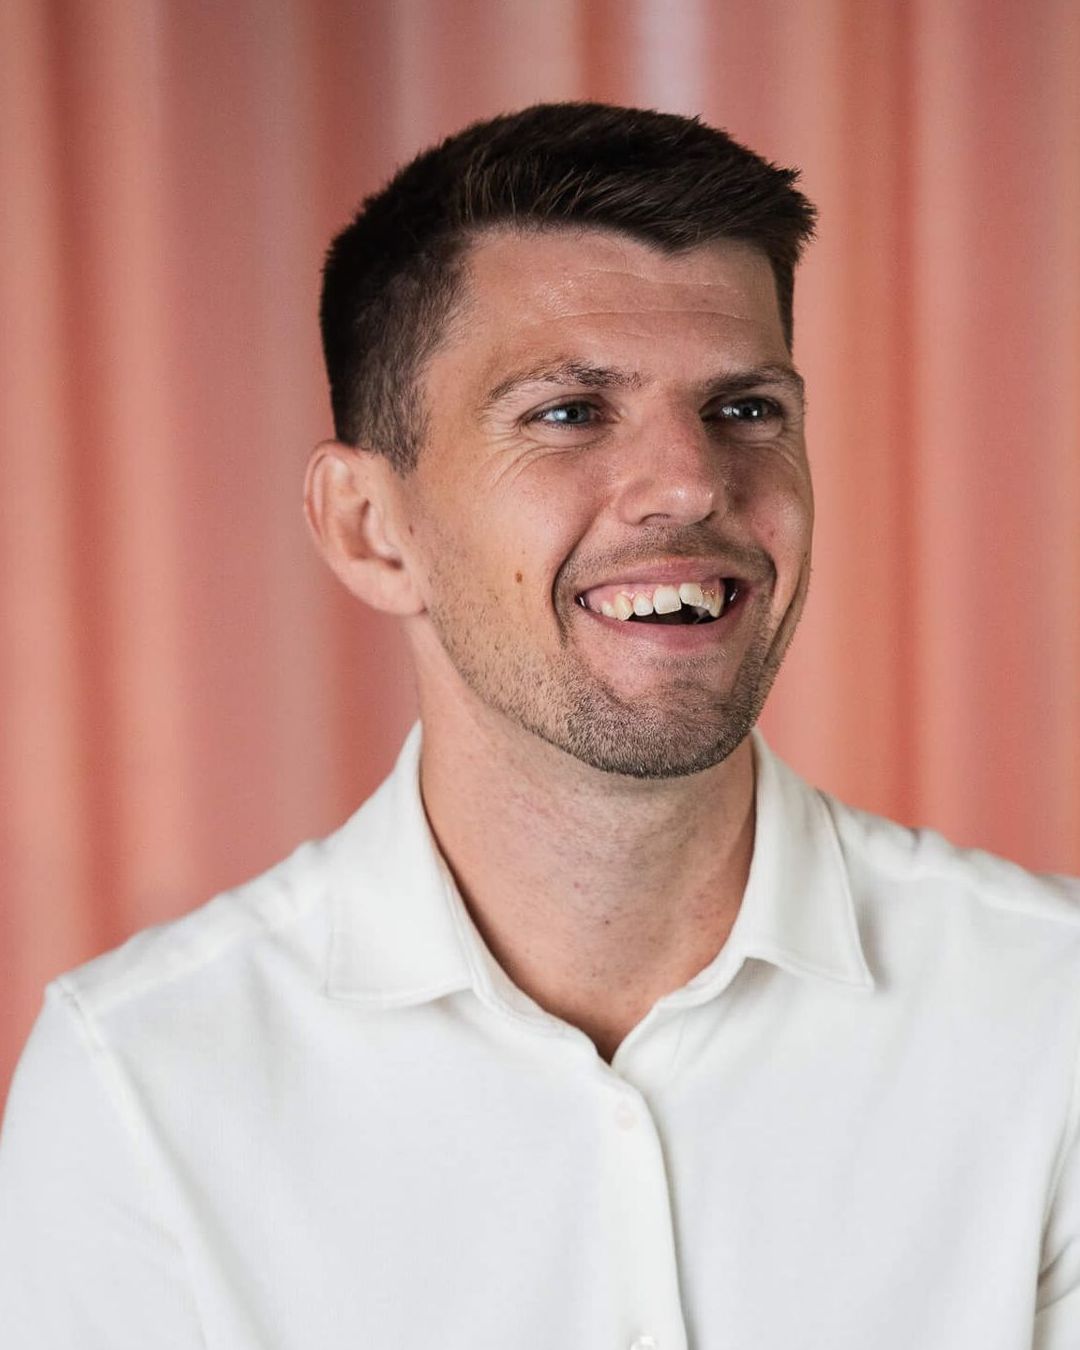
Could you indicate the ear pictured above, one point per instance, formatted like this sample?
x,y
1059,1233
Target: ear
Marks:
x,y
351,506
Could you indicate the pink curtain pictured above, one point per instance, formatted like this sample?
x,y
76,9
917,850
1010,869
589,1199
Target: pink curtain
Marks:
x,y
184,692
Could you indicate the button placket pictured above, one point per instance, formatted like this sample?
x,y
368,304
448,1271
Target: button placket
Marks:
x,y
643,1237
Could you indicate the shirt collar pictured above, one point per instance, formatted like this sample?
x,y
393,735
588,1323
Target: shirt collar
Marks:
x,y
401,934
797,911
397,937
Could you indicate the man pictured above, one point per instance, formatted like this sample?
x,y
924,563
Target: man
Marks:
x,y
595,1027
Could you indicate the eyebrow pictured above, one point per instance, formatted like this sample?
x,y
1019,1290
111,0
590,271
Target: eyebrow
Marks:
x,y
562,373
740,381
570,372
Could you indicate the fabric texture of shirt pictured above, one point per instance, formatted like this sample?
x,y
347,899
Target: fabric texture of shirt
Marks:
x,y
316,1113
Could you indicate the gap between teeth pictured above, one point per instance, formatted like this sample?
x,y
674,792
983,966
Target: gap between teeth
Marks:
x,y
664,600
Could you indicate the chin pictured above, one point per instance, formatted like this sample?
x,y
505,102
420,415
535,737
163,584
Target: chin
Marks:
x,y
636,745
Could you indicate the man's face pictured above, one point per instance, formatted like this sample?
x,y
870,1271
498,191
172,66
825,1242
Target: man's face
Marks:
x,y
612,429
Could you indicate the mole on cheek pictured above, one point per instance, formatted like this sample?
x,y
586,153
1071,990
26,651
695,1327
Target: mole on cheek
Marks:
x,y
517,577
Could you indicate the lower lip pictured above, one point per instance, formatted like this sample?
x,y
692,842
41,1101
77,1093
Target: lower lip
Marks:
x,y
676,637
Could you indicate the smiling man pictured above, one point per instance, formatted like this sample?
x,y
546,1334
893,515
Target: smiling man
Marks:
x,y
596,1026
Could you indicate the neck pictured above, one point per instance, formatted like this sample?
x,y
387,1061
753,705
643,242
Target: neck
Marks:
x,y
596,893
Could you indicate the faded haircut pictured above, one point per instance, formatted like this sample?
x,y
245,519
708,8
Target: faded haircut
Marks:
x,y
393,275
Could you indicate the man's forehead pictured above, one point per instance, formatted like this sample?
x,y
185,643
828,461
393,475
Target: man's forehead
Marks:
x,y
604,302
608,300
563,273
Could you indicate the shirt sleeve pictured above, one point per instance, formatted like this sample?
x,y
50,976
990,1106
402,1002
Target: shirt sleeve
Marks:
x,y
1057,1319
84,1257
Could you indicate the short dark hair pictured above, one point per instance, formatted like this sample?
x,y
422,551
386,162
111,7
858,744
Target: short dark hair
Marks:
x,y
393,274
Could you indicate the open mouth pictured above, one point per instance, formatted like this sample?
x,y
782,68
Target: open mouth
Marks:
x,y
690,602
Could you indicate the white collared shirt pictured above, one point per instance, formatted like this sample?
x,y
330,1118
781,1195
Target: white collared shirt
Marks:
x,y
316,1115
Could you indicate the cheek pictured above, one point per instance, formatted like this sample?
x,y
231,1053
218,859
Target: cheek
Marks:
x,y
541,522
480,559
508,540
782,518
557,489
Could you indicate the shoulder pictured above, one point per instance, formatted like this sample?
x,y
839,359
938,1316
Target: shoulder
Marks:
x,y
274,921
986,950
241,970
902,858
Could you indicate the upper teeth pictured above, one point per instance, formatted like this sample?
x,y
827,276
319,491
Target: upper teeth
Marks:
x,y
663,599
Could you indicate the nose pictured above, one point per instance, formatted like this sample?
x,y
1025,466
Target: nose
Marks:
x,y
672,476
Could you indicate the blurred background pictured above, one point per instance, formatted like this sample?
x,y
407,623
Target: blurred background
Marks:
x,y
185,694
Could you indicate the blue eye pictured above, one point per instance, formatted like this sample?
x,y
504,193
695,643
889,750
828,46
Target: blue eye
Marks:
x,y
567,415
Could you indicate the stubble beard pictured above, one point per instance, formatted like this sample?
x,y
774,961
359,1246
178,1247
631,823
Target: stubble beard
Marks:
x,y
689,729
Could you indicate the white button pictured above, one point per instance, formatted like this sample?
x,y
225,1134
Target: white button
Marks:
x,y
626,1118
644,1343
